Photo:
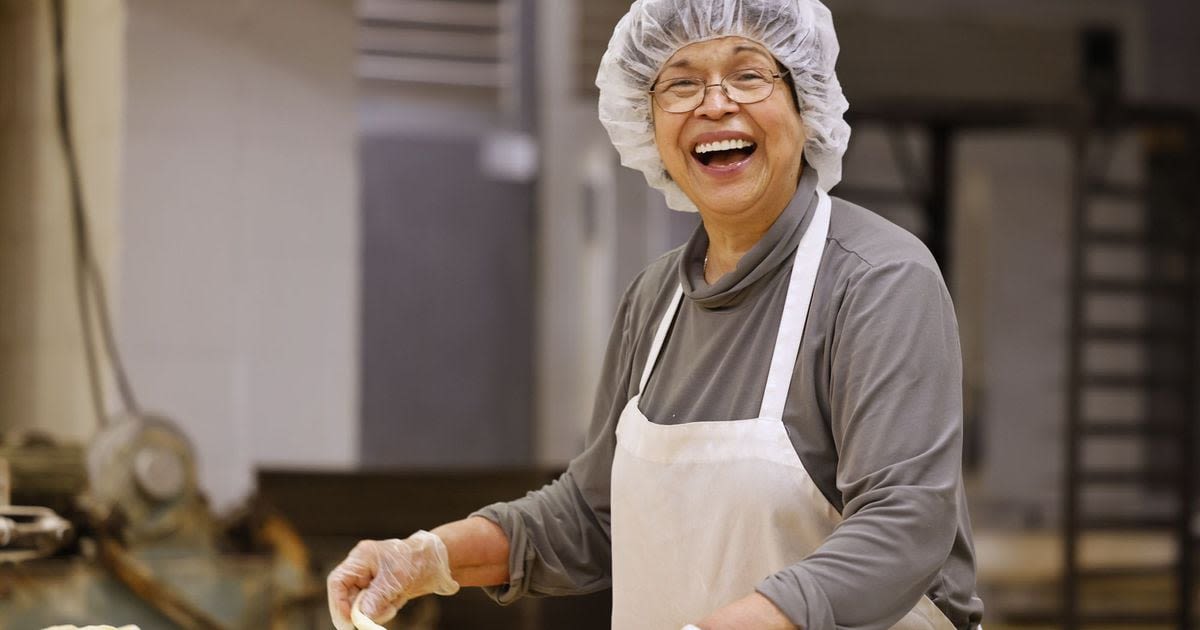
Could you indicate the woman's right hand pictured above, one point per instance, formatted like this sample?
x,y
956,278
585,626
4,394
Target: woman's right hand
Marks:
x,y
391,572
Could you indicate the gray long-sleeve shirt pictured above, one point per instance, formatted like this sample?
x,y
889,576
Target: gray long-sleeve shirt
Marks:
x,y
874,412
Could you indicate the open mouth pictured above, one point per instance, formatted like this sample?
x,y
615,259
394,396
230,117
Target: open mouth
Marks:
x,y
723,152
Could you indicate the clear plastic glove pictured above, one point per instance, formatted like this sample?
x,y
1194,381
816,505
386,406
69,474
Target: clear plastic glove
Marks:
x,y
388,573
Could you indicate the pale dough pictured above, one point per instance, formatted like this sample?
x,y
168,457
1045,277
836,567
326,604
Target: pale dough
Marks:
x,y
361,621
130,627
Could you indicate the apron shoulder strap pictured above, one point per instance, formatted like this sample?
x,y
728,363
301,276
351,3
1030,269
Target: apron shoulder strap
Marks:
x,y
660,335
795,310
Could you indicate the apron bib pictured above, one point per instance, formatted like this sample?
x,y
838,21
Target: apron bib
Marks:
x,y
704,511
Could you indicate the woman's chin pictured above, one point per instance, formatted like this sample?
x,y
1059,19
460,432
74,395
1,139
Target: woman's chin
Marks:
x,y
725,198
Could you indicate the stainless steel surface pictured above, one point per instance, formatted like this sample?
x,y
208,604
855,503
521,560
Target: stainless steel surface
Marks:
x,y
27,533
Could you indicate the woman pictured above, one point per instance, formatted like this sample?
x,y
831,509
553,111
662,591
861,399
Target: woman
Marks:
x,y
777,434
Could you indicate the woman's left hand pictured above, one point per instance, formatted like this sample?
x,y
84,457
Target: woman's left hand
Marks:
x,y
752,611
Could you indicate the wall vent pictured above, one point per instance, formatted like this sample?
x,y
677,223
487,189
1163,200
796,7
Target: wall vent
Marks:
x,y
597,19
446,43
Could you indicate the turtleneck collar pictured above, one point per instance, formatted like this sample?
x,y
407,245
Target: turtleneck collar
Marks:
x,y
775,247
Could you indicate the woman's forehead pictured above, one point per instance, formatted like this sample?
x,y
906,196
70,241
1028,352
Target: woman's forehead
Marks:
x,y
715,51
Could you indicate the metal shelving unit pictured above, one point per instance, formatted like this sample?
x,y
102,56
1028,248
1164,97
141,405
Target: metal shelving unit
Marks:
x,y
1162,435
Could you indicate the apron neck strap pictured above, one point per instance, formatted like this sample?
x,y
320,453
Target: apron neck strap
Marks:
x,y
791,327
659,336
795,310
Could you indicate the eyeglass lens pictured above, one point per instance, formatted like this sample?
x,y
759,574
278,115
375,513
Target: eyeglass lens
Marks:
x,y
686,94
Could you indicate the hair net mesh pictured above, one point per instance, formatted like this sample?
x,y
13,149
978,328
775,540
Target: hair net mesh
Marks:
x,y
799,33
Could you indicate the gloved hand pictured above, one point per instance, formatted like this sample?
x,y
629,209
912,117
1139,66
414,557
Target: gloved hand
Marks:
x,y
391,572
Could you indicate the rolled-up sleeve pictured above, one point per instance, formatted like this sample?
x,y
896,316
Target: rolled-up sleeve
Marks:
x,y
571,557
895,415
559,536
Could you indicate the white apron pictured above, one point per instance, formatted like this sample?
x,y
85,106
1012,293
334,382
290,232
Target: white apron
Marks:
x,y
704,511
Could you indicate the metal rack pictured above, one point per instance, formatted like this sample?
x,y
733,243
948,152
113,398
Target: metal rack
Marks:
x,y
1161,432
1165,237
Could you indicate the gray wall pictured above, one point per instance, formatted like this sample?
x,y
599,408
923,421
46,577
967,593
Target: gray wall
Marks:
x,y
1174,51
239,267
447,321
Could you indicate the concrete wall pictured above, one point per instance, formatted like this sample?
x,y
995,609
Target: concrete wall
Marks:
x,y
239,257
1173,51
1020,206
43,382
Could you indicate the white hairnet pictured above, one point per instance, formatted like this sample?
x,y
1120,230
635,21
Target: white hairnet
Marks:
x,y
799,33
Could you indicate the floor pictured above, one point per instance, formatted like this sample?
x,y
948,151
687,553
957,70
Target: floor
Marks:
x,y
1020,573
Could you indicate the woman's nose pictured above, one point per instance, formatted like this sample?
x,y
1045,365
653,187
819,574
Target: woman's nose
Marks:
x,y
716,103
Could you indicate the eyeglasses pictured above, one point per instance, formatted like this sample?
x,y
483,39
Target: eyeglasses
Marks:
x,y
746,86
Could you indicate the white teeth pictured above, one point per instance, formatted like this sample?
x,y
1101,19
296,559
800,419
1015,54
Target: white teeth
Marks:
x,y
723,145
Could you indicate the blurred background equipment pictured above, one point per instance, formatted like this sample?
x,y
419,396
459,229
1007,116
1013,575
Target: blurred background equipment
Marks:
x,y
142,468
30,532
149,550
146,549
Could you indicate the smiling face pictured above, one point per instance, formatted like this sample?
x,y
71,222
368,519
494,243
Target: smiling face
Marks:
x,y
753,169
